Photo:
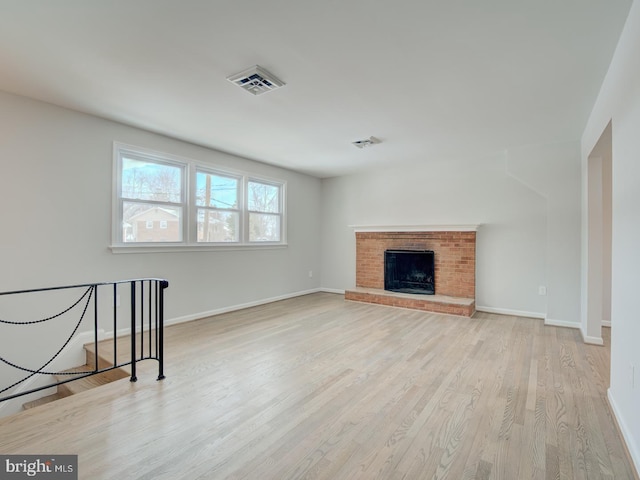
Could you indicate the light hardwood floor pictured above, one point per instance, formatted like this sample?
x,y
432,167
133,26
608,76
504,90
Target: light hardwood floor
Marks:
x,y
316,387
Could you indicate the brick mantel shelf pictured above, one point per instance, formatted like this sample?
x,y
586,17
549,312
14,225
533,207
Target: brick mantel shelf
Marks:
x,y
455,265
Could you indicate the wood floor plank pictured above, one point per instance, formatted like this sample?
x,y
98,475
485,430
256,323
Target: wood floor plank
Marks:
x,y
315,387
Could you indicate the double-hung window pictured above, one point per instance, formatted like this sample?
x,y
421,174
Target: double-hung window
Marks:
x,y
265,211
160,200
150,191
217,206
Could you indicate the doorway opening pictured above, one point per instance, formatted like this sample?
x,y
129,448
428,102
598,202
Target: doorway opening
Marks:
x,y
599,234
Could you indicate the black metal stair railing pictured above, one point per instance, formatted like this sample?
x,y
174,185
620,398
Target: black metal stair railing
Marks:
x,y
145,318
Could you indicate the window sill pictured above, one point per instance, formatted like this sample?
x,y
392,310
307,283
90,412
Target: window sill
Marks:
x,y
151,248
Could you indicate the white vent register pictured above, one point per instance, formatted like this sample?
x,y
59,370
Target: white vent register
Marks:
x,y
256,80
367,142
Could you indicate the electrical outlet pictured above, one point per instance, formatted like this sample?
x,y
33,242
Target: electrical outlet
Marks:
x,y
310,273
632,376
542,290
117,300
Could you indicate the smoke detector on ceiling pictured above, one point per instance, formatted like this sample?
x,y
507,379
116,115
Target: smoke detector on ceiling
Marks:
x,y
256,80
366,142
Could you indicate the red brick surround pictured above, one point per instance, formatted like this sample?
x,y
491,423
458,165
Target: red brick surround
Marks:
x,y
455,267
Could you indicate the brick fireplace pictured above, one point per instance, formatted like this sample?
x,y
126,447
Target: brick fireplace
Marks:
x,y
455,267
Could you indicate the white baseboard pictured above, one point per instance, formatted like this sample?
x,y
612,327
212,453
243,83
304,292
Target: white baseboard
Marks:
x,y
591,340
233,308
547,321
71,356
606,323
121,332
332,290
630,443
561,323
506,311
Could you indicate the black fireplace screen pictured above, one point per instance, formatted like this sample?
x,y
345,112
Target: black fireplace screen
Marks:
x,y
409,271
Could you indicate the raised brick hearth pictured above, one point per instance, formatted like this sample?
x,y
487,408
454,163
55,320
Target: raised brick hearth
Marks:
x,y
455,269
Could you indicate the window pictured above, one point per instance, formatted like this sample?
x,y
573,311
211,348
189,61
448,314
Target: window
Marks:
x,y
161,199
265,211
218,215
150,190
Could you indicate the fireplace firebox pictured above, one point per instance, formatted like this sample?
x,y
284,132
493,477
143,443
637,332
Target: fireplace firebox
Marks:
x,y
409,271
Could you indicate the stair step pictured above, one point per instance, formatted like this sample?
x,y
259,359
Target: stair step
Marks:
x,y
41,401
83,384
105,360
105,352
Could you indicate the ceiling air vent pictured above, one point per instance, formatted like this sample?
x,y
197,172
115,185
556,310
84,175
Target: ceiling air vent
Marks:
x,y
367,142
256,80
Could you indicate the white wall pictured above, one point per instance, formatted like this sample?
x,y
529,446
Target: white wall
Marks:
x,y
55,192
619,102
554,172
524,224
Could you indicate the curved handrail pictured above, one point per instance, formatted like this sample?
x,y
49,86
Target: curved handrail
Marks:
x,y
146,316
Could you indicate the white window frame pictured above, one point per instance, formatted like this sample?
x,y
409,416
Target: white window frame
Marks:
x,y
199,168
135,153
280,213
188,204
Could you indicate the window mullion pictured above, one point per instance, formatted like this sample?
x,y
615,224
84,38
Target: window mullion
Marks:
x,y
192,229
244,220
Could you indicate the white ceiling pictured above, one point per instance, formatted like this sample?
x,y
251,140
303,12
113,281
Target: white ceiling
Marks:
x,y
431,79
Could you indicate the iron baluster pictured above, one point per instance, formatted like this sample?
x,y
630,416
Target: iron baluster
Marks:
x,y
133,332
